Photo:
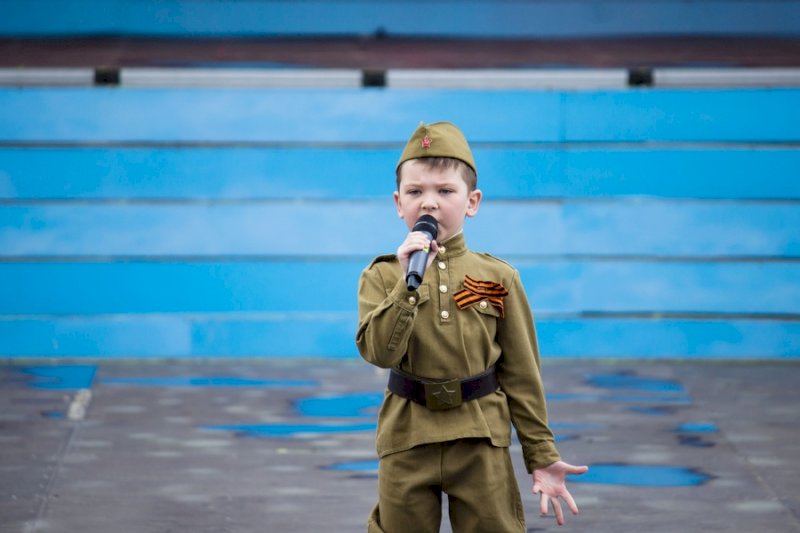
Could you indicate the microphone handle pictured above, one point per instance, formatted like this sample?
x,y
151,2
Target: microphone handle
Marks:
x,y
416,267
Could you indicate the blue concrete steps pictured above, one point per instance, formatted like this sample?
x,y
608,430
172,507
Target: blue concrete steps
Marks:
x,y
179,336
507,171
97,115
362,228
322,286
193,223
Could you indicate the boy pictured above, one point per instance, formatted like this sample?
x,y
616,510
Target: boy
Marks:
x,y
464,360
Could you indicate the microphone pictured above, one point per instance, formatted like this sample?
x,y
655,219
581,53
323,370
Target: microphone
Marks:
x,y
419,259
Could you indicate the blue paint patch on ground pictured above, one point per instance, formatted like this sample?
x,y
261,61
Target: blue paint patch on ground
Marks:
x,y
697,427
60,377
346,405
642,476
370,466
565,438
290,430
692,433
212,381
627,381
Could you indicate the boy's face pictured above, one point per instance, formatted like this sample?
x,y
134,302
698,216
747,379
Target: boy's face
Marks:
x,y
440,193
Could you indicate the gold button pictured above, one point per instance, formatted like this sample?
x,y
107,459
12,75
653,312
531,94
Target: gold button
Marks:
x,y
442,250
412,300
442,265
442,288
483,304
445,315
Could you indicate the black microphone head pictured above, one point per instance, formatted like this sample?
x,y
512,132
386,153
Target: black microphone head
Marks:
x,y
427,224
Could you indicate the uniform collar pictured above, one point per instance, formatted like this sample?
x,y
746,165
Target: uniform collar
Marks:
x,y
454,246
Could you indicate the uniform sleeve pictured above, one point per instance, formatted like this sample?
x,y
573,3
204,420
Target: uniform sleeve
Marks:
x,y
518,373
385,319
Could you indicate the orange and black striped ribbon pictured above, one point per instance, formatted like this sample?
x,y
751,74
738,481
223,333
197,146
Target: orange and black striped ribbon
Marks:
x,y
474,291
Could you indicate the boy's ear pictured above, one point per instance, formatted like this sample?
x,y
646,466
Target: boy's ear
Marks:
x,y
474,202
397,203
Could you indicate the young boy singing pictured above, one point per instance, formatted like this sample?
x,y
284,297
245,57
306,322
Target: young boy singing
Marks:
x,y
464,362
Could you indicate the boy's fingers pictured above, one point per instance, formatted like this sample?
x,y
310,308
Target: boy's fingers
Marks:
x,y
570,502
543,504
419,241
559,512
579,469
414,242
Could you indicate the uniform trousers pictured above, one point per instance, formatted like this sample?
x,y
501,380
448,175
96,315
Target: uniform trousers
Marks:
x,y
477,477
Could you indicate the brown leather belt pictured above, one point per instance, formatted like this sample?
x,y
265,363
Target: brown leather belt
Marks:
x,y
439,395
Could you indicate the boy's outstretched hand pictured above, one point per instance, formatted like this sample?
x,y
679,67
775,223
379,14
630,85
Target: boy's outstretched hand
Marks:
x,y
550,484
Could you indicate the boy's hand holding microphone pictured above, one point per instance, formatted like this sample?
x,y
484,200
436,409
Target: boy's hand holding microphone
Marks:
x,y
415,252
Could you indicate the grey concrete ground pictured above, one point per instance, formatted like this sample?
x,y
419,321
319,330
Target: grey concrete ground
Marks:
x,y
287,446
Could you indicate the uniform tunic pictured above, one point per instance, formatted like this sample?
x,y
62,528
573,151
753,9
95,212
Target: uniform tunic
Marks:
x,y
426,334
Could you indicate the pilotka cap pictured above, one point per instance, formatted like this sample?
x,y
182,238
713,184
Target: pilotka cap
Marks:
x,y
440,139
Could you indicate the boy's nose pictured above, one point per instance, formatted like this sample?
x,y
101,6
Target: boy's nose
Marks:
x,y
428,202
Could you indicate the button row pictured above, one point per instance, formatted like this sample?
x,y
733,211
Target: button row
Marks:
x,y
444,314
443,288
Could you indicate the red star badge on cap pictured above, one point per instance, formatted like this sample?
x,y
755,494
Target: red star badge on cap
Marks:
x,y
426,142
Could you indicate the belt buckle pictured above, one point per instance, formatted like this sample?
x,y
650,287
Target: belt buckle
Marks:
x,y
443,395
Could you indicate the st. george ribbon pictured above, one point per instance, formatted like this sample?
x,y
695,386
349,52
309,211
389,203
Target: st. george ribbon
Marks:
x,y
419,259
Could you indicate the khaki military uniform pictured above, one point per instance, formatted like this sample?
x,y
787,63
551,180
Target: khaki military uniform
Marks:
x,y
427,334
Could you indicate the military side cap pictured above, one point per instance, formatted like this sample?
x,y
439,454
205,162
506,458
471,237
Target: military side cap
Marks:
x,y
440,139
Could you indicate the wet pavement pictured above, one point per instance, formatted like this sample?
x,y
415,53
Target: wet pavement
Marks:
x,y
287,445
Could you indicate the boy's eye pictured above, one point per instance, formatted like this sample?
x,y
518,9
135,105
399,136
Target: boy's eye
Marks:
x,y
412,192
445,191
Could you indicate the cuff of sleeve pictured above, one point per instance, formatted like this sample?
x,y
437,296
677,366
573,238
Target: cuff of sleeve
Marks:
x,y
540,455
403,298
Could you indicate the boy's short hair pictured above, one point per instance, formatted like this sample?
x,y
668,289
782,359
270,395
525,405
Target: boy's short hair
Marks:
x,y
440,146
444,163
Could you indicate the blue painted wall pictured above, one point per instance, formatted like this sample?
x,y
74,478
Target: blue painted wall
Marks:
x,y
450,18
191,222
